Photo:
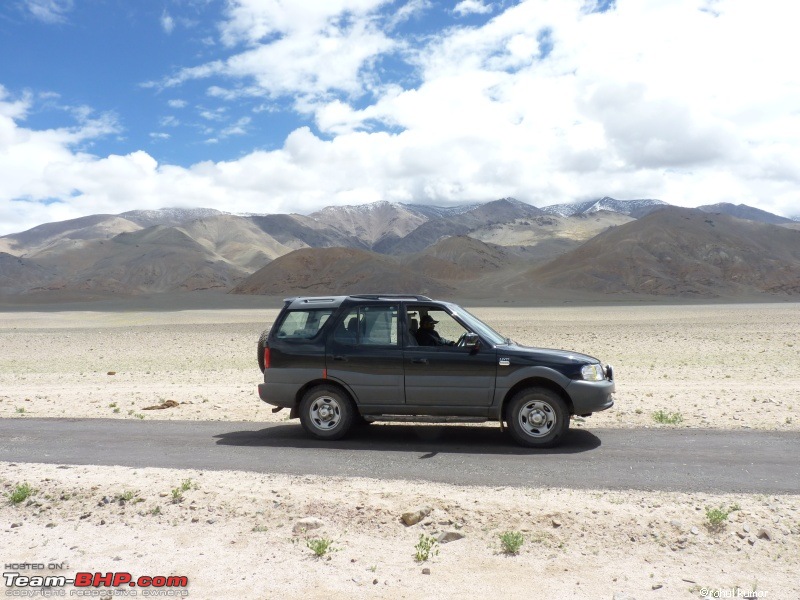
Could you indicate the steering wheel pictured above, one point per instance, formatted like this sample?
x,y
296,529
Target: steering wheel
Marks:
x,y
460,342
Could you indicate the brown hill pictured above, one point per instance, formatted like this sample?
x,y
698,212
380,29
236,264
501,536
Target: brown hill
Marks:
x,y
169,217
371,223
337,271
672,252
65,234
156,259
18,275
460,258
506,210
300,231
742,211
236,239
548,236
681,252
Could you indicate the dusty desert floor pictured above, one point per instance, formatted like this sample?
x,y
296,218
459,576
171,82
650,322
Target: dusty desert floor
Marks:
x,y
234,534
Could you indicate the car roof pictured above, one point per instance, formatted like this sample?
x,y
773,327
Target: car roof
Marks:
x,y
336,301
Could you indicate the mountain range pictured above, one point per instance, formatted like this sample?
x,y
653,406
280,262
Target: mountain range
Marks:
x,y
481,250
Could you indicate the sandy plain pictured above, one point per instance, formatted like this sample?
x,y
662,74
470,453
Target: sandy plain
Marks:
x,y
232,534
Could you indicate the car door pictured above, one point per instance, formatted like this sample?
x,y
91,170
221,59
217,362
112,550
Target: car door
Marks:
x,y
364,353
447,375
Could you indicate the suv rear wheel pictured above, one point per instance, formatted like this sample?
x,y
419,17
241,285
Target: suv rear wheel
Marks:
x,y
537,418
326,412
262,343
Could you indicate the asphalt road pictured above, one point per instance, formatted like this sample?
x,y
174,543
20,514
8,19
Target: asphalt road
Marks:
x,y
647,459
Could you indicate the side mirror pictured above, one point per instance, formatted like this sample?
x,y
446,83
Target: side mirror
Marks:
x,y
473,340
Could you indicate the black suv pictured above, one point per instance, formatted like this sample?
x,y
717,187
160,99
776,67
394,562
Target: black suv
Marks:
x,y
337,361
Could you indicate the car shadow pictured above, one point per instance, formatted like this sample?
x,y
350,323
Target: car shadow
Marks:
x,y
429,440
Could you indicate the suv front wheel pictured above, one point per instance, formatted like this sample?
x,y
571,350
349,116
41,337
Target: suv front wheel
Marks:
x,y
537,418
326,412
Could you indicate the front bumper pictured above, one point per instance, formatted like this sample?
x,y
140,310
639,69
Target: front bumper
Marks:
x,y
591,396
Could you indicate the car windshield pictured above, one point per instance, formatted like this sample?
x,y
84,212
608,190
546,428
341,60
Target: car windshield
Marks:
x,y
477,326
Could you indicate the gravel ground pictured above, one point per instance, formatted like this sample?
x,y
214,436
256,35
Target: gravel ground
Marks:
x,y
233,534
731,366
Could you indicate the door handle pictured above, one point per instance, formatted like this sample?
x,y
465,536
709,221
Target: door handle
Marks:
x,y
340,358
419,361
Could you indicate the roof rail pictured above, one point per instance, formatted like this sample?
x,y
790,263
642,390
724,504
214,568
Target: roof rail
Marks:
x,y
313,299
391,297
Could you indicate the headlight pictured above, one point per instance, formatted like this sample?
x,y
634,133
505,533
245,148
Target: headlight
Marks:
x,y
593,372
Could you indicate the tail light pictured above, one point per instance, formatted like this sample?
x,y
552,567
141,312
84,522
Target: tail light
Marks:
x,y
266,358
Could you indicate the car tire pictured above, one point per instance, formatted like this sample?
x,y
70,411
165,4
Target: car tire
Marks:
x,y
537,418
262,343
326,412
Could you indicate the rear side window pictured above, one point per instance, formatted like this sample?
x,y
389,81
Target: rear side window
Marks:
x,y
368,326
303,324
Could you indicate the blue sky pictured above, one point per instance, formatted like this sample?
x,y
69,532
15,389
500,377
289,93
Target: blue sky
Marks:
x,y
116,57
276,106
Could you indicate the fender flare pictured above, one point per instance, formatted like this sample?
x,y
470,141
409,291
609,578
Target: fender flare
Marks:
x,y
534,376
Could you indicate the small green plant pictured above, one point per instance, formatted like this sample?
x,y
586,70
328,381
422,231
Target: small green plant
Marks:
x,y
512,541
155,511
426,547
667,418
22,492
186,485
139,416
260,528
116,410
717,517
112,405
21,410
126,496
320,546
177,495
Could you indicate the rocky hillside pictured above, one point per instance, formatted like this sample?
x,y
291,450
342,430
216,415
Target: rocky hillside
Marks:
x,y
500,247
631,208
742,211
682,253
313,271
461,258
506,210
153,260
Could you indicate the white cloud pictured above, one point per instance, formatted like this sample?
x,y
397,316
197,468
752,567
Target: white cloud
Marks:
x,y
649,99
49,11
177,103
412,9
238,128
469,7
213,115
169,121
14,109
167,22
307,48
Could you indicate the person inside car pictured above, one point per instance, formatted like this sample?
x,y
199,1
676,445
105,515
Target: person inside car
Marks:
x,y
428,336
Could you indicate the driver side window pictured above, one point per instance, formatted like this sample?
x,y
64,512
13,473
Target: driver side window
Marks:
x,y
446,329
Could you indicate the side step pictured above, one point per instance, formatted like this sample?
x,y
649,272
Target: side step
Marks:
x,y
422,419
